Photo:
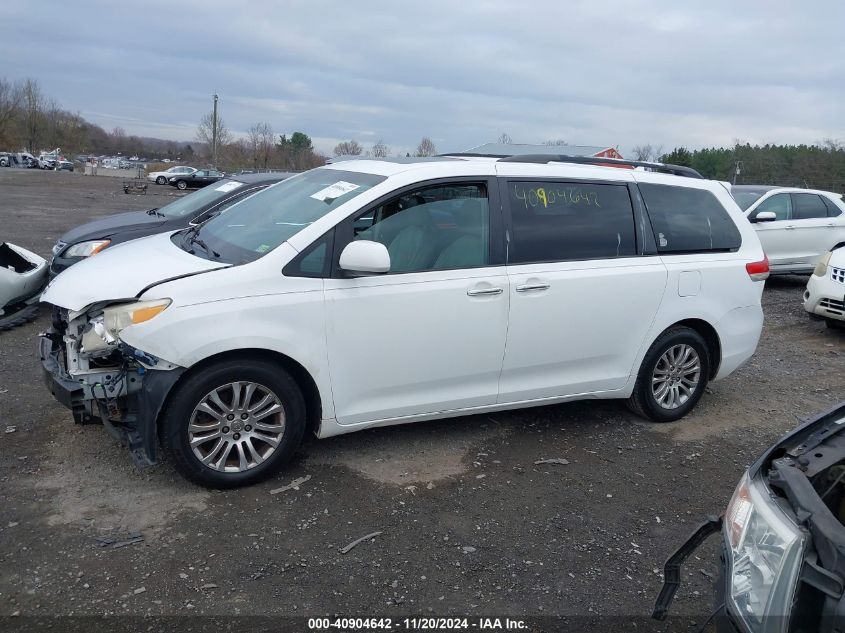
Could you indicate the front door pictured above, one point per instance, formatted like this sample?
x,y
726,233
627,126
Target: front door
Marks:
x,y
428,336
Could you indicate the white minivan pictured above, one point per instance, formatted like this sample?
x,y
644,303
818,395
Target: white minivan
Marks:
x,y
376,292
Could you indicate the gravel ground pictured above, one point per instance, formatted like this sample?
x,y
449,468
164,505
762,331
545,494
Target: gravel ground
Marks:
x,y
469,523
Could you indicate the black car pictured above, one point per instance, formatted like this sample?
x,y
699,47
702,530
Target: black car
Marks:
x,y
196,180
782,560
92,237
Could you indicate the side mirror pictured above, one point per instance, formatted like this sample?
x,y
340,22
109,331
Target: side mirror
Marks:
x,y
765,216
365,258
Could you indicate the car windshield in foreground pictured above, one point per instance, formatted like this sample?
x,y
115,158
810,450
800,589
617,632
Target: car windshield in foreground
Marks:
x,y
255,226
189,204
746,198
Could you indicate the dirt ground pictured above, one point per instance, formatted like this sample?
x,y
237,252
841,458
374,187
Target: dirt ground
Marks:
x,y
469,523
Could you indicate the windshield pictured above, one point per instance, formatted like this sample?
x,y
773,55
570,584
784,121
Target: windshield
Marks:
x,y
746,198
193,202
260,223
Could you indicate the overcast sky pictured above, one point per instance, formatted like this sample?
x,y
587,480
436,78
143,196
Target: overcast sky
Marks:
x,y
617,73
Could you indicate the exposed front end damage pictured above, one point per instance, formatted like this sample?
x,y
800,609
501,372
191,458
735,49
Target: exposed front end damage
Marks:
x,y
782,560
101,379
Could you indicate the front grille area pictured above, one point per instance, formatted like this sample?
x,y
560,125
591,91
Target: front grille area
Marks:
x,y
838,274
833,306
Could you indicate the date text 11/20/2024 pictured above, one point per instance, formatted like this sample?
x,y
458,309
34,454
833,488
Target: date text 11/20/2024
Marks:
x,y
416,624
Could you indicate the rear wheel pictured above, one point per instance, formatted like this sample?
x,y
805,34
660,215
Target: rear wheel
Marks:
x,y
233,424
672,377
181,185
161,180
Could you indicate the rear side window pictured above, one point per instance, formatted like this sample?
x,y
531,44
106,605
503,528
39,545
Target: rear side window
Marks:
x,y
832,209
807,206
687,220
558,221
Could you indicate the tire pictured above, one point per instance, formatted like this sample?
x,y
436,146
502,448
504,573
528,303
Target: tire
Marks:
x,y
23,315
181,185
673,403
161,180
185,411
835,324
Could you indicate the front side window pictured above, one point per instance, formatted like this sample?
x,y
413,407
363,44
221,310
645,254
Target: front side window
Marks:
x,y
779,204
687,220
434,228
807,206
559,221
261,222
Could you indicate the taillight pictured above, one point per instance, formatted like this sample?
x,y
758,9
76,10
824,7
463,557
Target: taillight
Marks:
x,y
758,271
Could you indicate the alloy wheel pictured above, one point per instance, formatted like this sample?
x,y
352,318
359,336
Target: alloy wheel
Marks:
x,y
676,376
236,427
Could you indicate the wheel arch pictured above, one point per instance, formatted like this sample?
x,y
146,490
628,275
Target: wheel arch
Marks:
x,y
710,336
302,377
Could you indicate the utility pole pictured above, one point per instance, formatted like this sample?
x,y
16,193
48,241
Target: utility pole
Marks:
x,y
214,133
738,170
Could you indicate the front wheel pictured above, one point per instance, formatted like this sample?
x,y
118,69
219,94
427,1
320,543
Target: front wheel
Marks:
x,y
835,324
233,424
672,377
182,185
161,180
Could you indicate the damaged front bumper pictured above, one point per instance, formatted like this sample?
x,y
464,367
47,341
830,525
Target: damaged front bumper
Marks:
x,y
126,397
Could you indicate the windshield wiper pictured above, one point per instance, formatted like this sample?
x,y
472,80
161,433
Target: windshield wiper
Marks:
x,y
191,237
155,212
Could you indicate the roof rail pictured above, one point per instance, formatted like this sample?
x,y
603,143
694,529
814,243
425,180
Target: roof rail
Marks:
x,y
475,155
675,170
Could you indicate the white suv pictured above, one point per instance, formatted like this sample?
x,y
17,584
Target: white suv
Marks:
x,y
368,293
795,226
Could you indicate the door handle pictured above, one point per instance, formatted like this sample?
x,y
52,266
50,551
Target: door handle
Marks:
x,y
536,286
790,226
475,292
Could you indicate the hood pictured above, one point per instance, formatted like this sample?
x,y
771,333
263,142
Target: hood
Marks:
x,y
107,226
123,271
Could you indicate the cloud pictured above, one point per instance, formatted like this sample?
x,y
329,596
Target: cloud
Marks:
x,y
609,73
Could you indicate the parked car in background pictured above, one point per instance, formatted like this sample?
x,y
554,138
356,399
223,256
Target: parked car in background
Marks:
x,y
200,178
93,237
375,292
23,275
825,294
782,538
161,177
63,165
47,162
7,159
795,226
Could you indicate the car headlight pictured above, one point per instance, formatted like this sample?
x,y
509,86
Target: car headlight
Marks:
x,y
766,549
102,331
821,267
86,249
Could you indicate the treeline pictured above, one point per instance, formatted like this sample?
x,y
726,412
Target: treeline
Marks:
x,y
33,121
812,166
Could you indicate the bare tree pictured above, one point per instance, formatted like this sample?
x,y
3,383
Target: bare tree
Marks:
x,y
380,150
32,106
10,101
642,152
505,139
426,147
205,132
348,148
260,143
555,142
